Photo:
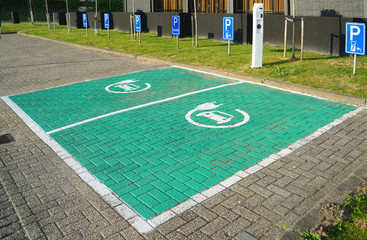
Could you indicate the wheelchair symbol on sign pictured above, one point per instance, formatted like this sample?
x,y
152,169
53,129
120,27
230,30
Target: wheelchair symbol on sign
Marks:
x,y
217,118
127,86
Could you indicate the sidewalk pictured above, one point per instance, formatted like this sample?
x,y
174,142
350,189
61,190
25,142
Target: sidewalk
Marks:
x,y
46,199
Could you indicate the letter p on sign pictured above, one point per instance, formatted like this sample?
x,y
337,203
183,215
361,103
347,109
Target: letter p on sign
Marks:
x,y
355,31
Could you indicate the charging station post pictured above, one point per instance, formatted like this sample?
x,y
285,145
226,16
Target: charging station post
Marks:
x,y
257,35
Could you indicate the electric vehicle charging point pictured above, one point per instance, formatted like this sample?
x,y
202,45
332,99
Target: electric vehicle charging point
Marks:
x,y
257,35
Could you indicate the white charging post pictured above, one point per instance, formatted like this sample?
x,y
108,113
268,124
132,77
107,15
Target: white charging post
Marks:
x,y
257,35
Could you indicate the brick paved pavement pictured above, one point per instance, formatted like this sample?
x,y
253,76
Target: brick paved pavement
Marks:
x,y
53,202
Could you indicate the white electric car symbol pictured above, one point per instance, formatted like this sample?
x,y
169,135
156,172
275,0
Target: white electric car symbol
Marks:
x,y
219,117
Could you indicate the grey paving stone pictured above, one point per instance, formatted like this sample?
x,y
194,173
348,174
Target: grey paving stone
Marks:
x,y
191,214
225,213
10,226
214,226
204,213
280,191
237,226
199,235
260,190
171,226
192,226
220,235
245,236
259,228
176,235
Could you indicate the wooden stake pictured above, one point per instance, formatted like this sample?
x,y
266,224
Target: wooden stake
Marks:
x,y
302,35
192,30
285,37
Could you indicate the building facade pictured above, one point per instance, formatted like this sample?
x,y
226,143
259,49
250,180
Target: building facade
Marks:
x,y
317,8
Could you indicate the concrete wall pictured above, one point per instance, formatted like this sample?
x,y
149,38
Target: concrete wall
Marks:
x,y
334,8
140,6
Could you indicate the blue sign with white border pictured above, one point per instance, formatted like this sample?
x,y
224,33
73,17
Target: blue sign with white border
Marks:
x,y
228,28
106,20
175,25
355,38
85,20
138,23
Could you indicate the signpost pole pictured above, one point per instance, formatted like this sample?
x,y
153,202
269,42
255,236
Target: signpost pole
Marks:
x,y
177,42
132,27
229,47
85,23
355,64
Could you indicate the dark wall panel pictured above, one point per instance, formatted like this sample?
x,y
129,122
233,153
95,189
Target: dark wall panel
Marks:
x,y
91,20
324,35
121,21
211,26
60,18
76,19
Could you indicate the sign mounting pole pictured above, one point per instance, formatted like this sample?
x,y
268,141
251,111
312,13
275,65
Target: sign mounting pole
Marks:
x,y
107,23
229,47
85,23
176,27
355,41
228,31
138,26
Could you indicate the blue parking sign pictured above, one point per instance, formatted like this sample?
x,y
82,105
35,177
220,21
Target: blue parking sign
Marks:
x,y
228,28
107,21
355,38
175,25
85,20
138,23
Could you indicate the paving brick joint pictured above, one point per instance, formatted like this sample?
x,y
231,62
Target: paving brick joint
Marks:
x,y
52,201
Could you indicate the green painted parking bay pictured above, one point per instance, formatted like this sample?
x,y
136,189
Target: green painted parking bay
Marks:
x,y
61,106
157,156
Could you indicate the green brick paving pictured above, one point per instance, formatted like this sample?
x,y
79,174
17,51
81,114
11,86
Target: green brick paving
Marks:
x,y
62,106
153,158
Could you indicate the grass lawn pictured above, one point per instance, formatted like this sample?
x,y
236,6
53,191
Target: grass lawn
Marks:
x,y
318,71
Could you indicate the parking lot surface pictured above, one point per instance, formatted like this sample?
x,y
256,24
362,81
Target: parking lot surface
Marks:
x,y
108,146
